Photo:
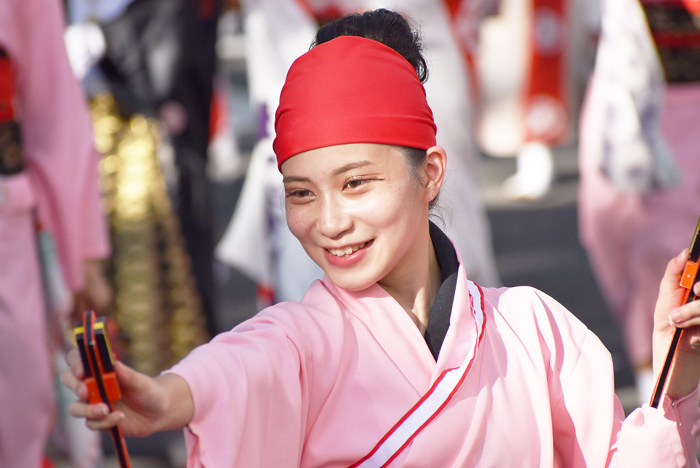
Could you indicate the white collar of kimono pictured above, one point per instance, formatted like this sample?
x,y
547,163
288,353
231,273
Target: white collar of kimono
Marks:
x,y
434,400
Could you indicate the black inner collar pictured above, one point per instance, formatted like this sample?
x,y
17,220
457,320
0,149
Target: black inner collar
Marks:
x,y
439,320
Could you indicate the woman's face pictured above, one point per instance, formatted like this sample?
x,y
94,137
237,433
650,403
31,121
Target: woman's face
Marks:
x,y
357,211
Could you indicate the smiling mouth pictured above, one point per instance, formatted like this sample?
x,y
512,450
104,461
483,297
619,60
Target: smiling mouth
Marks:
x,y
349,250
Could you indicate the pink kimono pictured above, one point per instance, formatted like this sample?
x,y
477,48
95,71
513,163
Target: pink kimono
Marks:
x,y
320,382
60,179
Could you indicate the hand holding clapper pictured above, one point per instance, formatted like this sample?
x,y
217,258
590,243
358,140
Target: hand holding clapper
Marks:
x,y
100,379
688,280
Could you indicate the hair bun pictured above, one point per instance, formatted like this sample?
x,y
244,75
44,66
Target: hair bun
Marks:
x,y
385,26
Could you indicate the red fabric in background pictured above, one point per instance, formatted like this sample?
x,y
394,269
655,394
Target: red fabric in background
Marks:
x,y
351,90
7,89
693,6
465,18
680,38
545,95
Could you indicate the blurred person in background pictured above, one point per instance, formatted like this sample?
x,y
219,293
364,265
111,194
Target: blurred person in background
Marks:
x,y
148,66
534,59
639,197
257,241
277,32
157,59
48,178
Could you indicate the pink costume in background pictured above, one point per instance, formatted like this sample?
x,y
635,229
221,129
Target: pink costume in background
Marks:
x,y
60,180
632,216
319,383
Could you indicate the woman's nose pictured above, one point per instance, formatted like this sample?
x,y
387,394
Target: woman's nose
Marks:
x,y
334,219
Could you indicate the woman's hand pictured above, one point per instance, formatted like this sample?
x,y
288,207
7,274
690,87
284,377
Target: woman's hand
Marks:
x,y
147,405
669,315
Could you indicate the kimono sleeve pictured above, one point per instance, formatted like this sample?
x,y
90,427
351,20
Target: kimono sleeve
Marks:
x,y
249,402
661,437
590,428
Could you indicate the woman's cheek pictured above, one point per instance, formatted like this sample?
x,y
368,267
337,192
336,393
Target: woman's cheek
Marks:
x,y
383,209
297,219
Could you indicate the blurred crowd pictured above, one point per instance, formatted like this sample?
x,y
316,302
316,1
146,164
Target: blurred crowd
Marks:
x,y
118,117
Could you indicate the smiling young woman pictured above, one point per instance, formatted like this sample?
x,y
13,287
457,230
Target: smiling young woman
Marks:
x,y
362,215
396,358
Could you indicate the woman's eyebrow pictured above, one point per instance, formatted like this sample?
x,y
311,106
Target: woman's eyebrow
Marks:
x,y
288,179
351,166
340,170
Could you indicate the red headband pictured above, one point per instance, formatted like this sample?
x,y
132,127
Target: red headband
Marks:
x,y
351,90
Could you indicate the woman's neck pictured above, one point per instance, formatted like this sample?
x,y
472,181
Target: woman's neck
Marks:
x,y
416,290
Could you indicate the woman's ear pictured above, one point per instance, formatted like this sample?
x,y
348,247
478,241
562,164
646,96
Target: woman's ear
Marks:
x,y
435,168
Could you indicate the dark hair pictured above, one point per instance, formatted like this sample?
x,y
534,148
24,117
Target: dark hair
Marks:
x,y
385,26
415,158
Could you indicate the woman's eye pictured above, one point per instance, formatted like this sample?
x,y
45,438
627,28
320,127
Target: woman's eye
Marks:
x,y
357,182
354,183
299,193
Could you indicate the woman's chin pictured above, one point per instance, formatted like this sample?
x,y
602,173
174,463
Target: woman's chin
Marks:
x,y
350,282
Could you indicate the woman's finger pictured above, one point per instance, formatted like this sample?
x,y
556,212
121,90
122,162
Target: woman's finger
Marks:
x,y
688,323
96,412
674,269
125,374
69,380
111,420
670,295
77,386
132,381
686,316
74,362
684,322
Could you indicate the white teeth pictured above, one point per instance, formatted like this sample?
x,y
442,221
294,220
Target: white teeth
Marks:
x,y
347,250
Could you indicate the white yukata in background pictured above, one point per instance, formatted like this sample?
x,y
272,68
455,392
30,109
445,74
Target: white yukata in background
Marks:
x,y
257,241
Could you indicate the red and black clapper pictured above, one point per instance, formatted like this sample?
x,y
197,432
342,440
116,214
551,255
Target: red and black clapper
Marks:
x,y
100,379
688,280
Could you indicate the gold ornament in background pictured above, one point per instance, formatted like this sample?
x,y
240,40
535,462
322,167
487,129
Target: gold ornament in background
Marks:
x,y
156,303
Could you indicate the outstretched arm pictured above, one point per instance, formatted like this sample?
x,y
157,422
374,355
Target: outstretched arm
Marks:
x,y
669,315
148,404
